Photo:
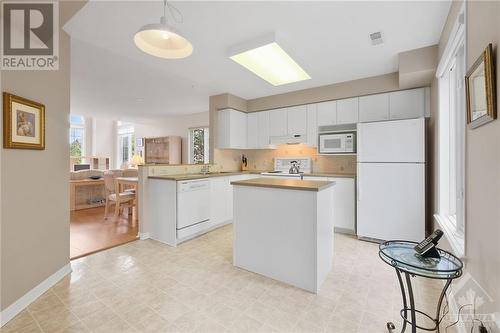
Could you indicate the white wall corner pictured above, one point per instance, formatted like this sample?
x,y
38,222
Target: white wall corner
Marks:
x,y
22,303
144,236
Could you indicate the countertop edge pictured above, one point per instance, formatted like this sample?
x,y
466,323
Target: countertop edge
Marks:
x,y
283,187
182,177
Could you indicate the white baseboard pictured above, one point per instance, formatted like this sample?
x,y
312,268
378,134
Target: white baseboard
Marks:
x,y
144,235
22,303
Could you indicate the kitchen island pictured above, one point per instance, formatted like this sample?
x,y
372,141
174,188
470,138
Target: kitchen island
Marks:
x,y
283,229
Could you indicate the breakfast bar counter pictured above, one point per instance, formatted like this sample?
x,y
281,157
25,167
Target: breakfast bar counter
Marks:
x,y
283,229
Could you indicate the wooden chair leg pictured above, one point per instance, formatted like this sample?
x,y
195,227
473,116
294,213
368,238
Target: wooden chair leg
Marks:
x,y
117,209
106,209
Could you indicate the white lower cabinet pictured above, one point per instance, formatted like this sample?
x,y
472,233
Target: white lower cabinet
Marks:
x,y
219,195
221,198
344,201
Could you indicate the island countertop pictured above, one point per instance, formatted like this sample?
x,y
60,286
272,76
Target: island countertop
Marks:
x,y
287,184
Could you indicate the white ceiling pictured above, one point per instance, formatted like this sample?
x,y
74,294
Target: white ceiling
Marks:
x,y
330,40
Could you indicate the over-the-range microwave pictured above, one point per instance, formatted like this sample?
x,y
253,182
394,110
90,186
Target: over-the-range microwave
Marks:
x,y
337,140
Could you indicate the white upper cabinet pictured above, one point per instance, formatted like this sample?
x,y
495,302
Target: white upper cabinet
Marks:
x,y
374,108
297,120
347,110
232,129
407,104
278,122
312,125
263,125
327,113
253,130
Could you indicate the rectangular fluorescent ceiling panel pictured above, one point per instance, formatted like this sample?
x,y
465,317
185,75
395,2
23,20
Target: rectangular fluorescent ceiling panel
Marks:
x,y
271,63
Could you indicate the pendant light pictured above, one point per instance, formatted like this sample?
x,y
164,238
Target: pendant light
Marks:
x,y
162,40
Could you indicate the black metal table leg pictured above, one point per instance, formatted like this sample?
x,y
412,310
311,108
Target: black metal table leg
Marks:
x,y
440,303
390,325
412,304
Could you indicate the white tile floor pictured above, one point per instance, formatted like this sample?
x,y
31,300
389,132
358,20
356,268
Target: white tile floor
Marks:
x,y
146,286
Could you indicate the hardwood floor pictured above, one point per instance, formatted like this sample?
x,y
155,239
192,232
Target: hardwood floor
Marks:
x,y
90,232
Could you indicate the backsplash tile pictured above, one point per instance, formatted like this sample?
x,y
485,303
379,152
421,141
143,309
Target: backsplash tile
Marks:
x,y
263,159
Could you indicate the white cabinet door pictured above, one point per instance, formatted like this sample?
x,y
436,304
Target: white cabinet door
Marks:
x,y
344,203
297,120
347,111
263,124
407,104
238,129
374,108
222,129
253,130
231,129
327,113
312,126
278,123
218,200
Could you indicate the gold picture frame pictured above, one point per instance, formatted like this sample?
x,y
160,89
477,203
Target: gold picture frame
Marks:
x,y
23,123
480,90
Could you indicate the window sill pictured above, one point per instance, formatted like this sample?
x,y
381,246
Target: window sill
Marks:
x,y
455,238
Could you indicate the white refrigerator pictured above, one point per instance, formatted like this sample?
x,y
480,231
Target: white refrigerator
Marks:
x,y
391,180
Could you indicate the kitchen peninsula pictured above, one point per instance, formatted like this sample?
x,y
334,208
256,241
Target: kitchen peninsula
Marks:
x,y
283,229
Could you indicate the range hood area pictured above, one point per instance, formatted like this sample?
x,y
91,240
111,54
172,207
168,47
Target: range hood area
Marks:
x,y
288,139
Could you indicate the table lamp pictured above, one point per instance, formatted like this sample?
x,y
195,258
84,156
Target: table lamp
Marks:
x,y
137,160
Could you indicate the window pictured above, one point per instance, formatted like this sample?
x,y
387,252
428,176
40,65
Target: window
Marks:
x,y
451,207
77,138
126,144
198,145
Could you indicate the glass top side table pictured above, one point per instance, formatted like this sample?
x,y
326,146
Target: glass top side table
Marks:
x,y
406,261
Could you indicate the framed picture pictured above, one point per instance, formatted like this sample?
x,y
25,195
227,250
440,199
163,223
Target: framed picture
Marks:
x,y
23,123
480,90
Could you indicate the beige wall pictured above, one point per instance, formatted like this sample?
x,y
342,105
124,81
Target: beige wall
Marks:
x,y
34,192
417,67
483,163
367,86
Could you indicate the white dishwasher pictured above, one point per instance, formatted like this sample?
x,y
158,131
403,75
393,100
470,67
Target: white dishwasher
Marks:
x,y
193,207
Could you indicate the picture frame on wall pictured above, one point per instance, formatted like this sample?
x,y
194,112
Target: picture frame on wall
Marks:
x,y
480,89
23,123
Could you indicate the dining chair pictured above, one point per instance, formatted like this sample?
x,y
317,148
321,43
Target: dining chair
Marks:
x,y
113,195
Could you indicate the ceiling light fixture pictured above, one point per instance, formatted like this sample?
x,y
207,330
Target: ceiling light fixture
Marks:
x,y
161,39
267,59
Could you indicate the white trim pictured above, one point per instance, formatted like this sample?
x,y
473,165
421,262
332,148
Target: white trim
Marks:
x,y
22,303
457,35
455,239
144,235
